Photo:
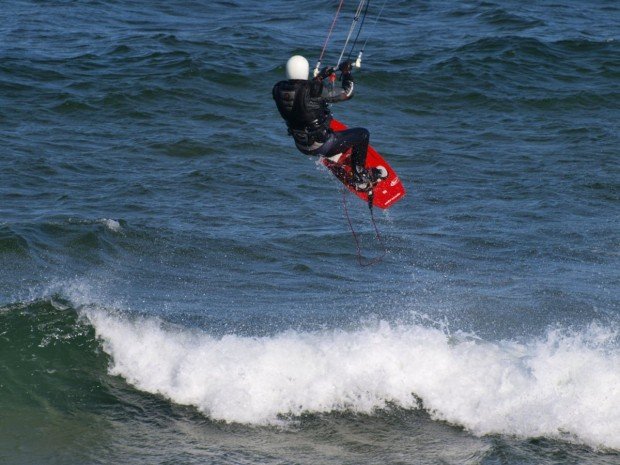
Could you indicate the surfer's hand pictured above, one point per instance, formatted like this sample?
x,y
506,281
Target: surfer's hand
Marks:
x,y
326,72
345,67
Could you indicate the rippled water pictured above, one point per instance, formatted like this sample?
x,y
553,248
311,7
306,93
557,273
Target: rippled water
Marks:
x,y
179,285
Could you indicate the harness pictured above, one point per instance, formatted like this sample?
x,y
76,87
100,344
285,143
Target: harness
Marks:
x,y
312,136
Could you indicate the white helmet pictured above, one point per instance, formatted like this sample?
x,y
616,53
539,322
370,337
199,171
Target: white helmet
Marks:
x,y
297,67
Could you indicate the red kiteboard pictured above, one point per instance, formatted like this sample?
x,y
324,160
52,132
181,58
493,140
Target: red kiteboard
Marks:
x,y
385,193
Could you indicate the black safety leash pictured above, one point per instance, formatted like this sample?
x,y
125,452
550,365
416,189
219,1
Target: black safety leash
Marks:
x,y
362,5
359,30
358,62
360,259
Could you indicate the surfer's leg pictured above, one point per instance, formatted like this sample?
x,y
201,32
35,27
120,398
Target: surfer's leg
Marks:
x,y
360,148
357,139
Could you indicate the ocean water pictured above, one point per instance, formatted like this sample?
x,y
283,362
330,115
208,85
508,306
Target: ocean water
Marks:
x,y
178,285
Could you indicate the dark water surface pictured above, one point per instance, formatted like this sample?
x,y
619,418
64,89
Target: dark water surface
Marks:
x,y
179,285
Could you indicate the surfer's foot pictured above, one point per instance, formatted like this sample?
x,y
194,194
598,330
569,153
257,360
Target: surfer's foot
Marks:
x,y
378,174
361,179
364,179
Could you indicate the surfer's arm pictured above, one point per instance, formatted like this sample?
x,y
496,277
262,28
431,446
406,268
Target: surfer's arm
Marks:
x,y
327,81
347,89
335,94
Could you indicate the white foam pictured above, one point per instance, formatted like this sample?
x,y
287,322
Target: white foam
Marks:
x,y
565,386
112,225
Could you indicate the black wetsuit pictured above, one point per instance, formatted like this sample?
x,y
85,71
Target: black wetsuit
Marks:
x,y
304,106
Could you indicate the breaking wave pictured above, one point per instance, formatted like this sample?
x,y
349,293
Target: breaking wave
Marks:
x,y
564,386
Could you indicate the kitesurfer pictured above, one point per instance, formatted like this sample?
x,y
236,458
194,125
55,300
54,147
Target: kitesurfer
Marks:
x,y
304,105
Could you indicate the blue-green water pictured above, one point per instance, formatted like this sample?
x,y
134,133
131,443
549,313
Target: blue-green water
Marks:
x,y
179,285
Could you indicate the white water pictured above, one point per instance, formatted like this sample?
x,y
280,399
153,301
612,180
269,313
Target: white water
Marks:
x,y
565,386
112,225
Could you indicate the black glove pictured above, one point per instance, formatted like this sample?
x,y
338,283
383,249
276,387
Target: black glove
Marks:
x,y
346,67
326,72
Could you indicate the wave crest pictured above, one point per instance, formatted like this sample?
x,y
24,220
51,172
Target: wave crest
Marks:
x,y
564,386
